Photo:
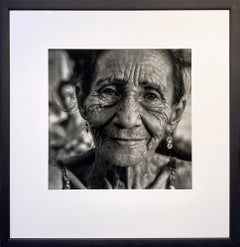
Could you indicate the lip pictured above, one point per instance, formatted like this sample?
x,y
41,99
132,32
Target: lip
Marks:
x,y
127,141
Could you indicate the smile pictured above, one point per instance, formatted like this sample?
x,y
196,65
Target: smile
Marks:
x,y
127,141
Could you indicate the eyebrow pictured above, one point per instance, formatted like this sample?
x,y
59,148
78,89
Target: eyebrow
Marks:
x,y
111,80
152,84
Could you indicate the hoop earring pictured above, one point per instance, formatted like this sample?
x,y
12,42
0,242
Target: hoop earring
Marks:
x,y
169,140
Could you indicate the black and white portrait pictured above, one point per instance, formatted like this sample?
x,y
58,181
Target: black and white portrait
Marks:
x,y
120,119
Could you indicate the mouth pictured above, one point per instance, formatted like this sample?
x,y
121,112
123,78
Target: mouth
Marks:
x,y
126,141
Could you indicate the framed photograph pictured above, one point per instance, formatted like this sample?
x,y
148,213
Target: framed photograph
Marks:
x,y
120,123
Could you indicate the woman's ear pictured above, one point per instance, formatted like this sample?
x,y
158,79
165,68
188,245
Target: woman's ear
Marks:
x,y
78,91
176,115
178,109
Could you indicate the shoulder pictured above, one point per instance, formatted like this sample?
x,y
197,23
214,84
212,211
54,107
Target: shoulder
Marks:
x,y
180,170
79,165
77,168
183,174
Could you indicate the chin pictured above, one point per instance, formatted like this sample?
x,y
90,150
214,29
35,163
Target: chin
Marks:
x,y
124,153
122,159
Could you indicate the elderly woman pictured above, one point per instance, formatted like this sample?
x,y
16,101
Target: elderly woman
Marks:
x,y
132,100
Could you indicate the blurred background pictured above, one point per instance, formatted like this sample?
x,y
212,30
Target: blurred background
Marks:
x,y
67,129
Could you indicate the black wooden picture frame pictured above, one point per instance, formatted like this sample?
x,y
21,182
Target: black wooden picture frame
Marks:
x,y
232,5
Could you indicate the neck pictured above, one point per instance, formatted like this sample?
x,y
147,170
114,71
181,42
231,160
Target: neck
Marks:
x,y
111,176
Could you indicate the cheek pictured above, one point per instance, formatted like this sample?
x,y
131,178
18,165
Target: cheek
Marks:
x,y
98,113
156,122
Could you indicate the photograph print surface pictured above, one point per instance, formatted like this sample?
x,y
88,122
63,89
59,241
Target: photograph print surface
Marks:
x,y
120,119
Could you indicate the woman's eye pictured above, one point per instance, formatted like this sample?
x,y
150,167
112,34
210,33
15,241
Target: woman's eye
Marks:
x,y
151,96
152,99
109,92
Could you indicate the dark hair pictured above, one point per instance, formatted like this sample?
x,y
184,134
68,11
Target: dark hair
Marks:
x,y
89,60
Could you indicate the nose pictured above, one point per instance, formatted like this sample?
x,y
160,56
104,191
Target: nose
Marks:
x,y
128,115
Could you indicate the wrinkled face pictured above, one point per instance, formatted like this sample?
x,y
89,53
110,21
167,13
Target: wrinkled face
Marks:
x,y
129,104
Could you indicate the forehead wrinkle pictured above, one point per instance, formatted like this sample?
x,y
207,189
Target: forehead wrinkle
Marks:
x,y
150,67
113,68
154,71
109,76
154,77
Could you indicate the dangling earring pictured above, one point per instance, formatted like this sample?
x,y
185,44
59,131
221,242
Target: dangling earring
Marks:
x,y
169,140
86,125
